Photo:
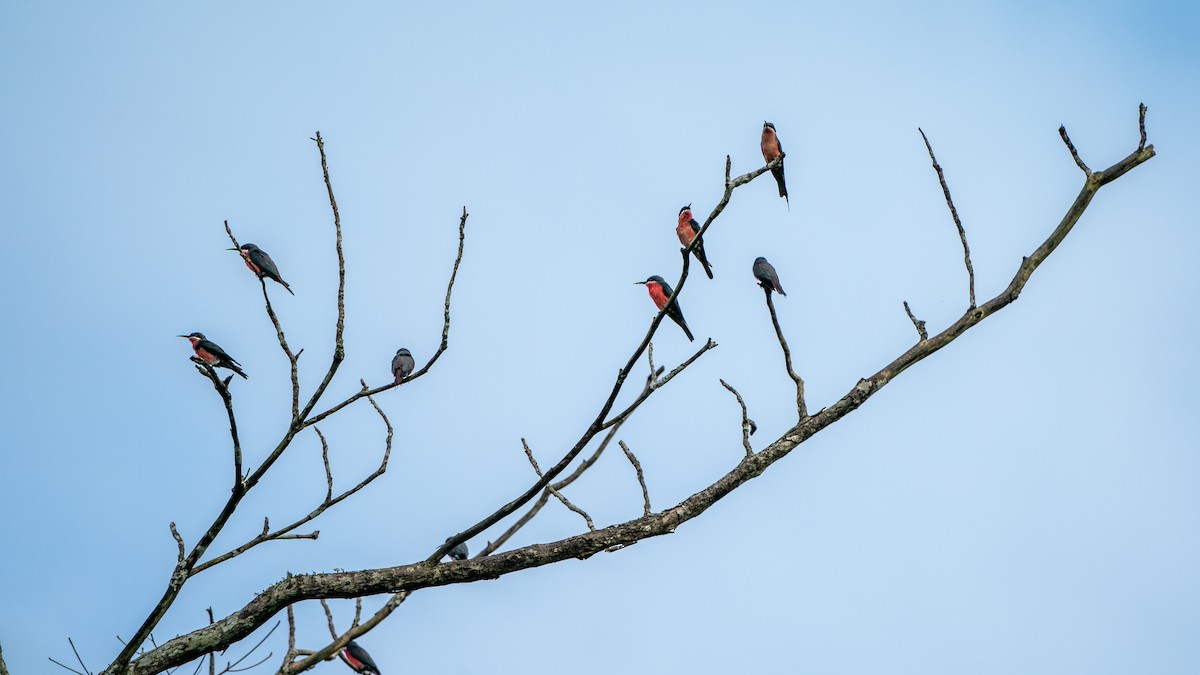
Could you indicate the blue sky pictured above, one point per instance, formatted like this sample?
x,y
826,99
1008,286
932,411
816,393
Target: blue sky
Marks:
x,y
1023,501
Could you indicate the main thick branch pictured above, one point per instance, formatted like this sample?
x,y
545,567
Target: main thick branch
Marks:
x,y
408,578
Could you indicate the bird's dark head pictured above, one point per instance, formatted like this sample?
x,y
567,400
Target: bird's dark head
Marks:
x,y
686,208
652,280
250,247
197,335
403,352
760,260
768,125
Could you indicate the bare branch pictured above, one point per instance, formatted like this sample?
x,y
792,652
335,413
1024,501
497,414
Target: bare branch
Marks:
x,y
1142,126
801,406
657,384
917,323
79,658
3,668
598,424
66,667
179,541
403,580
330,501
292,358
637,466
1062,131
554,491
747,423
462,233
328,651
962,233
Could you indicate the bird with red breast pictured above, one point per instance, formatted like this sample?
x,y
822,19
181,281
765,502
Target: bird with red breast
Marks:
x,y
771,150
357,658
686,229
212,354
261,264
660,292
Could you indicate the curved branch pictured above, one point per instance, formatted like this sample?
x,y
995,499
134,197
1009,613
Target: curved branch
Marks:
x,y
462,236
407,578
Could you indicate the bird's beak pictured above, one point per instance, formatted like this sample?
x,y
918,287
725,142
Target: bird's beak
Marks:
x,y
232,249
638,282
182,336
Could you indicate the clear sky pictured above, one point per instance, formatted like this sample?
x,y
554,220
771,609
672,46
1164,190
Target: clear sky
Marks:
x,y
1023,501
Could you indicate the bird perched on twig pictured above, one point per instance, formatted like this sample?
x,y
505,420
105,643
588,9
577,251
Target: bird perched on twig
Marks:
x,y
686,229
771,149
212,354
766,275
357,658
261,264
402,365
660,291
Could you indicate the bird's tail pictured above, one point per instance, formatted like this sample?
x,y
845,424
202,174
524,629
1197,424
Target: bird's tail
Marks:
x,y
234,367
289,288
703,260
686,331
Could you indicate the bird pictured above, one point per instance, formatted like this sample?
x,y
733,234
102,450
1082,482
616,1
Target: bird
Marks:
x,y
459,552
772,148
767,276
212,354
686,229
357,658
660,291
261,264
402,364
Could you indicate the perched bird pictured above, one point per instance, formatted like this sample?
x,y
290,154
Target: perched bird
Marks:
x,y
660,291
771,148
686,229
402,364
212,354
459,552
357,658
261,264
766,275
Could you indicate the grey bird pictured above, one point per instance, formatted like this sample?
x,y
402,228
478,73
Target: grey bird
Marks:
x,y
402,365
766,275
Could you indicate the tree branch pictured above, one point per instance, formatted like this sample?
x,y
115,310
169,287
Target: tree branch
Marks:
x,y
637,467
292,358
801,406
917,323
330,501
554,491
747,423
462,225
408,578
962,234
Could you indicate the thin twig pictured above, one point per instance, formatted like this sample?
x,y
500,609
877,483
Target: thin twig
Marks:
x,y
801,406
637,466
445,344
179,542
3,668
917,323
746,421
212,657
62,665
598,424
962,233
287,351
657,384
557,493
328,650
330,501
1062,131
1142,125
79,658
